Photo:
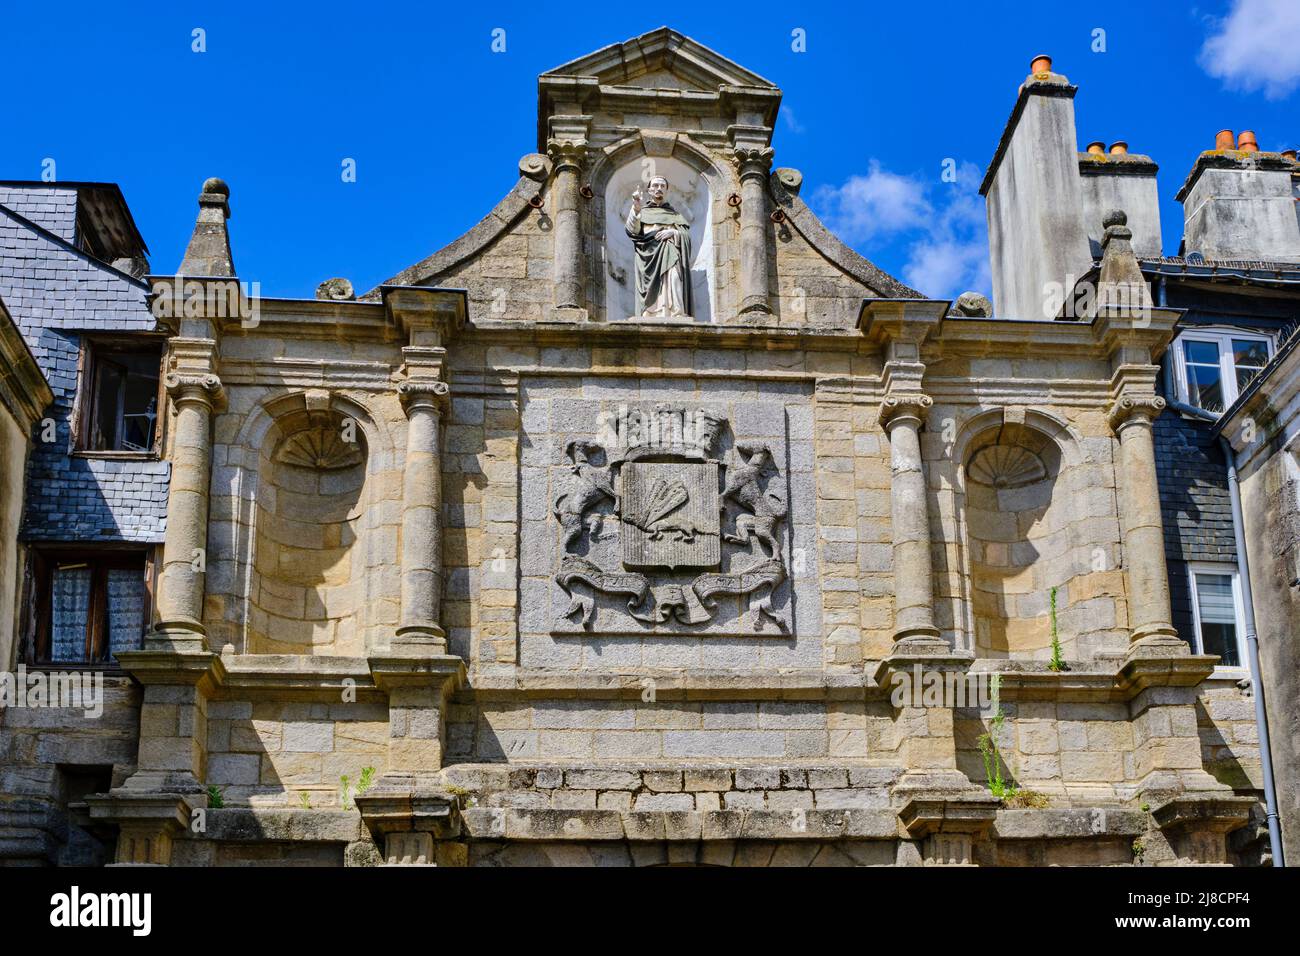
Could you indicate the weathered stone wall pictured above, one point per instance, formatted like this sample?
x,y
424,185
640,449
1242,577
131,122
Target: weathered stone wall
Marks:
x,y
294,754
37,745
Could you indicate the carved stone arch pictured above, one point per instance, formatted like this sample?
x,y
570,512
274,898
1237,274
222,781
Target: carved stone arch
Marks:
x,y
629,157
296,468
1066,437
1026,526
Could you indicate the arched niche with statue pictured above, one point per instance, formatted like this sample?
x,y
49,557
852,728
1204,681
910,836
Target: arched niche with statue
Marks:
x,y
694,192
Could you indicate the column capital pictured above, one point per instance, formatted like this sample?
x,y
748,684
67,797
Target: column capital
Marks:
x,y
898,407
418,393
202,387
753,161
566,154
1134,410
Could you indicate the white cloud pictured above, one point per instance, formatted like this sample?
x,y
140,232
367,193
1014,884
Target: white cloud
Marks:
x,y
954,256
944,225
866,206
1256,47
791,122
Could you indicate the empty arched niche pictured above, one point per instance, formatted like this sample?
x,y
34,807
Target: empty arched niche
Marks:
x,y
1018,538
307,587
689,194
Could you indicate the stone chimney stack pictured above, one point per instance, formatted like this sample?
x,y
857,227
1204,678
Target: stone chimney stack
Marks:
x,y
1119,179
1240,203
1034,199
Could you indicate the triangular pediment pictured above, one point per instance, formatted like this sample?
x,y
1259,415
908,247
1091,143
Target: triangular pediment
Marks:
x,y
660,59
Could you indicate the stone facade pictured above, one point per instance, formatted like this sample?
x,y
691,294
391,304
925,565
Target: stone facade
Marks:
x,y
1262,429
425,600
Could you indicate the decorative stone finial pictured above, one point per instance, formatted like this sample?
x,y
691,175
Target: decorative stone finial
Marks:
x,y
208,253
1114,217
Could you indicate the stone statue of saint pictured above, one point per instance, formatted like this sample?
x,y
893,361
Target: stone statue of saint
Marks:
x,y
661,239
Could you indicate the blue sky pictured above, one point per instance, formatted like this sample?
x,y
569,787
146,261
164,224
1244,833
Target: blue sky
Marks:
x,y
436,121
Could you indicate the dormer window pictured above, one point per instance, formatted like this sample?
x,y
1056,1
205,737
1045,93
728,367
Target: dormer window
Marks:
x,y
120,398
1212,366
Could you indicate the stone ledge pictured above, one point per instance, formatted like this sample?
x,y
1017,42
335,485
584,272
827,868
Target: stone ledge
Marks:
x,y
295,677
814,774
673,685
1065,823
239,824
483,823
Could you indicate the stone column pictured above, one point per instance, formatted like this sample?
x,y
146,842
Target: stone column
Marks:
x,y
902,416
567,157
421,516
180,587
1150,615
753,165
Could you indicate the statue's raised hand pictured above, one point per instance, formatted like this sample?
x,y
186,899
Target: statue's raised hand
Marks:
x,y
636,201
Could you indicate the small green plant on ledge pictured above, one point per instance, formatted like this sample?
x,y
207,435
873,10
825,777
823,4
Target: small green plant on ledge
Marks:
x,y
1057,662
1139,850
216,797
344,785
304,799
367,780
1000,788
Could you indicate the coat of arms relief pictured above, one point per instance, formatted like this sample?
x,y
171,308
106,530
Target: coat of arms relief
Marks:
x,y
653,514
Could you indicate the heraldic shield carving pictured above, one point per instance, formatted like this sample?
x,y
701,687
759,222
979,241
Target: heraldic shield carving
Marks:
x,y
694,526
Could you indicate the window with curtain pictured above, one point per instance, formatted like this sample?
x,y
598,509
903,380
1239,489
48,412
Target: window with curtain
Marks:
x,y
90,605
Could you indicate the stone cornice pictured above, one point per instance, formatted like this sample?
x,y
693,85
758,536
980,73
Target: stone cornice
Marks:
x,y
905,321
417,309
23,389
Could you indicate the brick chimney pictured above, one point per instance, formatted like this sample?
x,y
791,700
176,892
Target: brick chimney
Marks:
x,y
1034,198
1241,204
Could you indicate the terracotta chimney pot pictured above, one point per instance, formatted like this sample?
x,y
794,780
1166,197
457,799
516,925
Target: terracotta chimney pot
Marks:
x,y
1246,141
1119,148
1098,148
1289,154
1041,64
1223,139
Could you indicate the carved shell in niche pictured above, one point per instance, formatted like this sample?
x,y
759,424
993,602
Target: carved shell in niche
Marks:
x,y
1006,466
321,448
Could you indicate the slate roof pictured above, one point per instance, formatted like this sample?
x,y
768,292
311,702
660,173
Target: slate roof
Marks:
x,y
55,292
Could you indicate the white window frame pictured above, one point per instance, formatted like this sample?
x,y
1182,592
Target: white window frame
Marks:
x,y
1238,607
1221,336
